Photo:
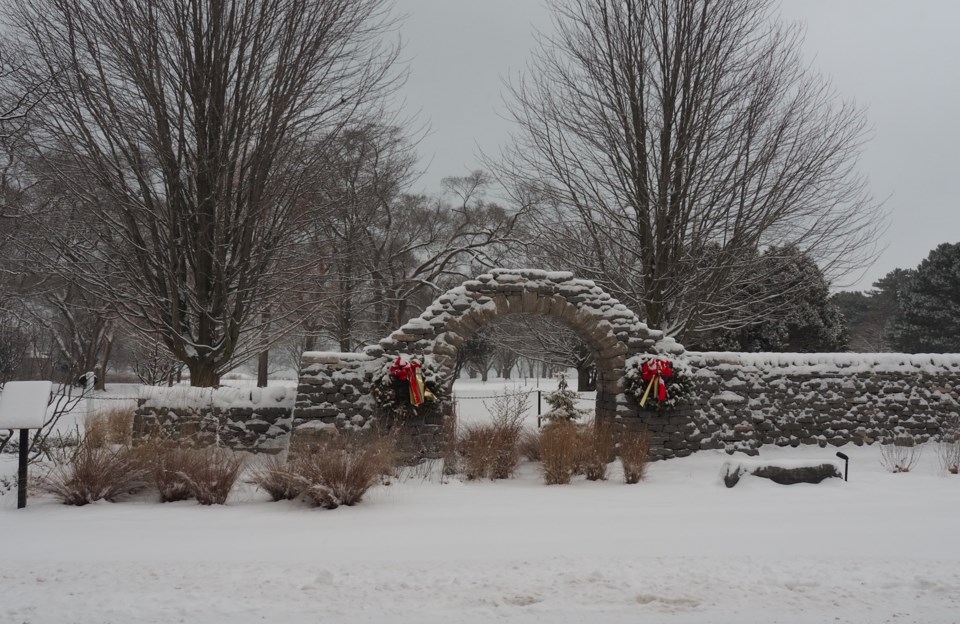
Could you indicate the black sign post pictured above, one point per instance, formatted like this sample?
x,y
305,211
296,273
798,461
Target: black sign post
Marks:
x,y
23,406
22,472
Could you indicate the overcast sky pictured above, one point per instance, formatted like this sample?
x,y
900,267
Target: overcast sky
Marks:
x,y
899,58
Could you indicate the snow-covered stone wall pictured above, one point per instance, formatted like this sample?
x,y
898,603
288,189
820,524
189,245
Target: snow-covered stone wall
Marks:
x,y
742,400
256,420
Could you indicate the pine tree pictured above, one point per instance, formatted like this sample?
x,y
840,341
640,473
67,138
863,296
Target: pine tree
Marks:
x,y
562,404
929,319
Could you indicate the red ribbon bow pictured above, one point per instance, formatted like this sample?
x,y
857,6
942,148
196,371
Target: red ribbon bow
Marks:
x,y
409,372
655,373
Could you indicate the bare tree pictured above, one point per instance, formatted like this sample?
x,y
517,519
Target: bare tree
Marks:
x,y
187,130
668,141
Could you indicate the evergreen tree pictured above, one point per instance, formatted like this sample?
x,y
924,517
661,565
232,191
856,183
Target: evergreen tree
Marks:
x,y
786,321
929,318
563,406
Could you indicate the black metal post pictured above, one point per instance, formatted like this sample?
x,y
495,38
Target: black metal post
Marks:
x,y
538,409
22,474
846,464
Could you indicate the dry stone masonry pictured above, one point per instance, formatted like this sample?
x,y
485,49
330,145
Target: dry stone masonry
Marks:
x,y
743,400
256,420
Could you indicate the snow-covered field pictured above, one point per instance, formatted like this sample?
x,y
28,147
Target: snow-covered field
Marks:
x,y
678,548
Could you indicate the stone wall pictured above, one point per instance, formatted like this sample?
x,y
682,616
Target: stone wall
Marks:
x,y
740,401
255,420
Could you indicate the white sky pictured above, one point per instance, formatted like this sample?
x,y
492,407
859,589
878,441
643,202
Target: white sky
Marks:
x,y
900,58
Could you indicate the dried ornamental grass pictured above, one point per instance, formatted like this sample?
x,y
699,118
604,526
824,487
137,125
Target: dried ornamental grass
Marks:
x,y
634,451
344,470
596,451
115,425
90,473
211,473
560,447
277,478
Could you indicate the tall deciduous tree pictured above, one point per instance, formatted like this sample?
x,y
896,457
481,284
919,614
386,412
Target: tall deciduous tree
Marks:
x,y
187,129
670,141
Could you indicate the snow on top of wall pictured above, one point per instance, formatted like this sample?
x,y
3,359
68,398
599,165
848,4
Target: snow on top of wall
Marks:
x,y
349,355
790,363
185,397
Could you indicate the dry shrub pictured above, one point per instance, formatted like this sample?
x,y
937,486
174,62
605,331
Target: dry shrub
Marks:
x,y
948,451
596,451
450,423
90,473
277,478
343,469
949,454
110,426
634,450
560,448
209,473
170,469
477,451
492,451
529,445
899,457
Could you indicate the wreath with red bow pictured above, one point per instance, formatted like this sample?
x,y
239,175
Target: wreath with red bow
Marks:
x,y
656,382
406,387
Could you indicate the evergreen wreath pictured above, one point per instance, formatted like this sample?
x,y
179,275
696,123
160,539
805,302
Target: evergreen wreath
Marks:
x,y
392,392
670,388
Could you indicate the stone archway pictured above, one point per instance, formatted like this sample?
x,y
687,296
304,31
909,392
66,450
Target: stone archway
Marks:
x,y
609,328
335,387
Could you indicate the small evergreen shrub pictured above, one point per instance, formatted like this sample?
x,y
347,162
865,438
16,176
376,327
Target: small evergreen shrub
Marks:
x,y
563,406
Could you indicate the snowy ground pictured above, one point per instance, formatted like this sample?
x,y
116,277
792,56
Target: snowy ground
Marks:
x,y
678,548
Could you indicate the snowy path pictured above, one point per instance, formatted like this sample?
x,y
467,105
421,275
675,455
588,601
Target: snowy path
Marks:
x,y
679,548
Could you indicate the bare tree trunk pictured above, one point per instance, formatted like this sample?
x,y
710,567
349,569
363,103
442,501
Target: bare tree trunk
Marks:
x,y
263,360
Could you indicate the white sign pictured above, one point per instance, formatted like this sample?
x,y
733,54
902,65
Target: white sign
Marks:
x,y
23,404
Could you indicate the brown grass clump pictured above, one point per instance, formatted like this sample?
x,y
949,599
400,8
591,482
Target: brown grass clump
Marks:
x,y
492,451
529,445
277,478
110,426
89,473
210,473
634,450
344,469
171,468
596,450
561,449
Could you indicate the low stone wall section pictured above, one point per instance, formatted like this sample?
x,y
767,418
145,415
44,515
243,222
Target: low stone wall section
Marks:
x,y
740,401
255,420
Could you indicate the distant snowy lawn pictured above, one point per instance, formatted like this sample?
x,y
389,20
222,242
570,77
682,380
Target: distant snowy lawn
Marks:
x,y
677,548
